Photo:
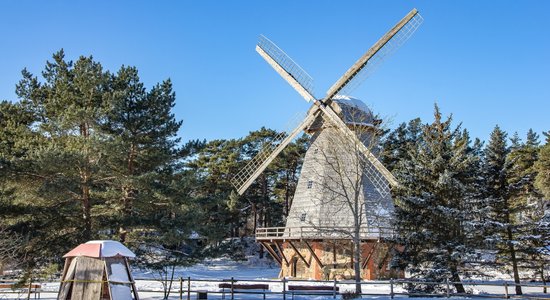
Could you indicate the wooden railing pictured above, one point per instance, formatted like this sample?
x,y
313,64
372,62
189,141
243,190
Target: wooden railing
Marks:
x,y
311,232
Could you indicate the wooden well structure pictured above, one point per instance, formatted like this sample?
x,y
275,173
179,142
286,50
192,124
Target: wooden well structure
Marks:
x,y
98,270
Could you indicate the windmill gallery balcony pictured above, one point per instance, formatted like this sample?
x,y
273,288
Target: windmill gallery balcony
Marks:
x,y
321,233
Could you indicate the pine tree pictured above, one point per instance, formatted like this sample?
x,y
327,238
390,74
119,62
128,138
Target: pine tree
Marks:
x,y
515,141
141,147
510,194
396,145
430,202
57,178
14,121
543,169
496,196
521,176
213,163
266,210
92,151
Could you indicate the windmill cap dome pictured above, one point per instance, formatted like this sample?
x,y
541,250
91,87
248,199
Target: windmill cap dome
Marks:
x,y
353,110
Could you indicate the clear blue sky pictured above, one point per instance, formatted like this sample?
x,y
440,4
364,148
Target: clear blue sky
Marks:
x,y
487,62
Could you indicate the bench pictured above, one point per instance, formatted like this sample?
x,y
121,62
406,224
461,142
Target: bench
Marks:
x,y
34,288
317,290
241,286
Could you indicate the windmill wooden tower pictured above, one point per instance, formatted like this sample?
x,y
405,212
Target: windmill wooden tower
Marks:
x,y
323,219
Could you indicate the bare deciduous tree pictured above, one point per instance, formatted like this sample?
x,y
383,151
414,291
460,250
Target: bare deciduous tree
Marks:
x,y
345,190
11,245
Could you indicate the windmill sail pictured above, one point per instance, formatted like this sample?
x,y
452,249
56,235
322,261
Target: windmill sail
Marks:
x,y
382,49
286,67
244,178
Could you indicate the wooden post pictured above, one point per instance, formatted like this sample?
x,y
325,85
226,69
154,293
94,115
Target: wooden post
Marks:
x,y
506,290
284,288
29,291
189,288
448,288
232,294
181,288
391,288
334,290
543,280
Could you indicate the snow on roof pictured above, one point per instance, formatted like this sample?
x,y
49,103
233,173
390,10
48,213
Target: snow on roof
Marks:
x,y
354,111
103,248
350,101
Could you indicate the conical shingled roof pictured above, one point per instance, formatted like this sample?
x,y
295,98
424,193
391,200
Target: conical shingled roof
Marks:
x,y
99,249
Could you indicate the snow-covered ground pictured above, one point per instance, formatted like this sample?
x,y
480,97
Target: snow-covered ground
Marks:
x,y
252,271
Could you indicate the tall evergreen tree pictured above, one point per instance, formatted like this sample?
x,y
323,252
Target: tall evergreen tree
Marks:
x,y
528,204
430,202
68,105
90,151
515,141
213,163
495,194
141,146
396,145
13,129
543,169
510,194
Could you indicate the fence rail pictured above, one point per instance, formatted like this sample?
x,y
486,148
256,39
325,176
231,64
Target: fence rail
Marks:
x,y
189,288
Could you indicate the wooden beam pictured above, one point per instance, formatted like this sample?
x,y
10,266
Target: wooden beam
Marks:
x,y
281,252
314,255
134,290
272,252
381,264
299,254
371,252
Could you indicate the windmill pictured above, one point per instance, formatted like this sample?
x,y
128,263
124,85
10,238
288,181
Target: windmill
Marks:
x,y
301,246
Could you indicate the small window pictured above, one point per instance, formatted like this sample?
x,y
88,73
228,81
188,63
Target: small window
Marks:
x,y
316,150
309,184
303,217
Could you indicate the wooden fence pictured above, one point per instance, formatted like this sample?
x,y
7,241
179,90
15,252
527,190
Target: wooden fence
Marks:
x,y
189,288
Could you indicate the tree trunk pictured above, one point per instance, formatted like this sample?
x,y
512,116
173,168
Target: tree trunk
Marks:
x,y
514,260
255,215
542,278
357,263
455,278
85,178
127,196
86,207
